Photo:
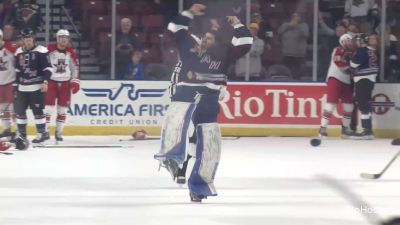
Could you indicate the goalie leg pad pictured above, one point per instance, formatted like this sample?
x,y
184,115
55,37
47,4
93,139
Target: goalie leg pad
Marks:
x,y
208,153
174,132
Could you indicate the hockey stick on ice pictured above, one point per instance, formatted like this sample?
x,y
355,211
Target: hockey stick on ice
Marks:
x,y
378,175
355,200
6,153
81,146
158,138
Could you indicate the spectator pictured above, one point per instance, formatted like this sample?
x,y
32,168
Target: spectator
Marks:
x,y
126,42
9,33
353,29
26,14
2,13
393,62
294,44
357,11
329,39
255,53
135,68
265,32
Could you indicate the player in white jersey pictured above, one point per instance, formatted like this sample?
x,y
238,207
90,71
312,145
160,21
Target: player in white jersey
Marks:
x,y
7,77
339,89
64,80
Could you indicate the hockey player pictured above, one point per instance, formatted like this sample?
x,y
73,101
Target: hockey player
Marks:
x,y
339,88
33,71
7,78
201,81
63,81
365,64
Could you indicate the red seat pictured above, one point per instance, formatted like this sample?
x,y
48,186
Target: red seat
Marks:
x,y
94,7
142,38
169,54
151,55
99,23
163,38
153,22
123,7
104,41
140,7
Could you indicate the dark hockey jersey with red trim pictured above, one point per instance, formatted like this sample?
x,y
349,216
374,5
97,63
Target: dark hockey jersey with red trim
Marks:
x,y
209,65
366,64
32,67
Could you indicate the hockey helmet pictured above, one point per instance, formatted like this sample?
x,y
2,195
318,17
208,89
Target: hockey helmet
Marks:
x,y
62,32
27,33
1,34
345,38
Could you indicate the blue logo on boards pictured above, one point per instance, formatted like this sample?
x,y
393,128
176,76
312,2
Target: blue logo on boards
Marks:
x,y
132,93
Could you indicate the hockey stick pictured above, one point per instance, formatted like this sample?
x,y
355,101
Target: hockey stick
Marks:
x,y
355,200
396,141
145,139
82,146
158,138
378,175
358,202
6,153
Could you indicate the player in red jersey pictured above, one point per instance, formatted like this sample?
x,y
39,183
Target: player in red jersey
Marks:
x,y
7,77
339,88
64,80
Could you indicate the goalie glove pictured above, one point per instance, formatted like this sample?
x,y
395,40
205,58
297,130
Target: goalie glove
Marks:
x,y
75,86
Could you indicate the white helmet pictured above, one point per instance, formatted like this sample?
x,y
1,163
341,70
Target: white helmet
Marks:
x,y
62,32
1,34
345,38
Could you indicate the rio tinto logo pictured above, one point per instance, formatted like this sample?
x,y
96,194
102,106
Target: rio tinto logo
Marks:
x,y
273,103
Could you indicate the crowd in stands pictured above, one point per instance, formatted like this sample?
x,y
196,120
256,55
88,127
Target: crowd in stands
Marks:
x,y
282,30
16,15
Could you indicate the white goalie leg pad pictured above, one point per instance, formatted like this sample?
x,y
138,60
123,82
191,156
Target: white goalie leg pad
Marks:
x,y
175,131
208,154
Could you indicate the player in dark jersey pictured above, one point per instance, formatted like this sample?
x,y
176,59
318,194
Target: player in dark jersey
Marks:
x,y
33,71
202,78
365,64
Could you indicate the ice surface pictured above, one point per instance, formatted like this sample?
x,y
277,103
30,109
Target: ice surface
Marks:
x,y
260,181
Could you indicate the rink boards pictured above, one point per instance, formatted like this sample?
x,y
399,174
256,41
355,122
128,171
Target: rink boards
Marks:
x,y
248,109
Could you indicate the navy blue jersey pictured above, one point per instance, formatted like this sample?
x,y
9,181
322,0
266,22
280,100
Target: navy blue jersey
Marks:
x,y
366,64
209,65
32,67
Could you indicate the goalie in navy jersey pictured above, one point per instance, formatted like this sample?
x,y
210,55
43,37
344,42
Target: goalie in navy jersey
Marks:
x,y
33,71
200,84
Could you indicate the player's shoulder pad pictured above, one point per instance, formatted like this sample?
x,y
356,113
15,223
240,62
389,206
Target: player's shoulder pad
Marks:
x,y
19,51
51,47
41,49
340,49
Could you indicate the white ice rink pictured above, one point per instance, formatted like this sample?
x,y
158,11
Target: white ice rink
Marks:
x,y
260,181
